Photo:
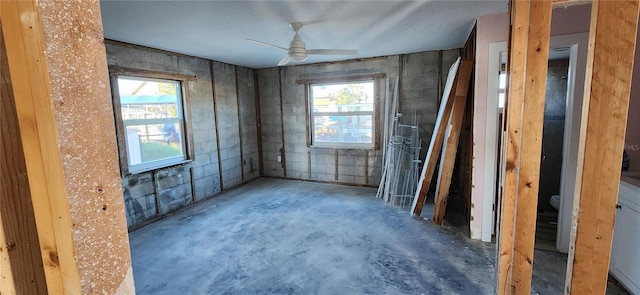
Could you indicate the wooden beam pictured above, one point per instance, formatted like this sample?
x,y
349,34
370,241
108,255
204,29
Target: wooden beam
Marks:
x,y
6,272
459,105
17,220
527,66
23,30
567,3
436,142
531,144
516,61
612,42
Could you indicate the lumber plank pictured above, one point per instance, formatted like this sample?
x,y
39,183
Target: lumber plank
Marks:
x,y
459,105
16,212
516,58
6,272
22,25
567,3
435,145
612,42
531,144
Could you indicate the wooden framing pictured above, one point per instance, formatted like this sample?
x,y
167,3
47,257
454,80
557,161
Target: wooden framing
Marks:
x,y
527,67
531,144
22,25
434,149
459,106
612,42
19,236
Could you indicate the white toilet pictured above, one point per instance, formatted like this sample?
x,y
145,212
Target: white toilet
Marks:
x,y
554,201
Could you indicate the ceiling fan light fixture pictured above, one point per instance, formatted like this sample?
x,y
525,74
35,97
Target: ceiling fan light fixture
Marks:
x,y
297,51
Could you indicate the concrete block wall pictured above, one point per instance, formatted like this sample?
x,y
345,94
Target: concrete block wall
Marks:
x,y
228,124
419,89
283,108
244,120
271,122
247,90
151,194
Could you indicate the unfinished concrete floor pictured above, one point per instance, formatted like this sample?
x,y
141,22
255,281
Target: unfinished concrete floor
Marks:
x,y
275,236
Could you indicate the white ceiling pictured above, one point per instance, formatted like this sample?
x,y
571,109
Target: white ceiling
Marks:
x,y
217,29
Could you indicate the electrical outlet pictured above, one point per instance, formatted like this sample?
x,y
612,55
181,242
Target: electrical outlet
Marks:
x,y
279,159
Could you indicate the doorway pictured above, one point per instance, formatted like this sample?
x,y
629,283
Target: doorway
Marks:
x,y
552,147
575,46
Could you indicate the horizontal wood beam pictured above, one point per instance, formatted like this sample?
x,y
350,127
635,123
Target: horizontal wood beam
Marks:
x,y
568,3
610,58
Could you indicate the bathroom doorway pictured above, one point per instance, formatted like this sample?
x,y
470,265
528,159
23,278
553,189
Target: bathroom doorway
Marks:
x,y
574,48
555,109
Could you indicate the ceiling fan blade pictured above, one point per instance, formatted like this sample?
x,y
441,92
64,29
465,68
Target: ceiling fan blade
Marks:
x,y
284,61
267,44
332,51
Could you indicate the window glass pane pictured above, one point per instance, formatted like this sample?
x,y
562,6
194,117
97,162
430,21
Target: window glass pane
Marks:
x,y
345,97
152,142
149,99
343,129
152,117
503,81
501,100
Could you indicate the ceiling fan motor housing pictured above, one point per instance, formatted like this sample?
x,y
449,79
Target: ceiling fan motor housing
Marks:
x,y
297,50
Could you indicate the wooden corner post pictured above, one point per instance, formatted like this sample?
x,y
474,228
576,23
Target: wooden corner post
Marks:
x,y
23,31
527,68
612,42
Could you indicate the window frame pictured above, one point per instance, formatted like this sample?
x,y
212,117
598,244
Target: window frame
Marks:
x,y
183,119
311,142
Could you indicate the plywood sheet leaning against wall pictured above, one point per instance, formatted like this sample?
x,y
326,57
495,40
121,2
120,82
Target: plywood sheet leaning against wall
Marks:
x,y
435,144
57,62
459,105
612,42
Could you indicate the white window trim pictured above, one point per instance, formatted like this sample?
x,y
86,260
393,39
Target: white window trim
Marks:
x,y
121,124
343,145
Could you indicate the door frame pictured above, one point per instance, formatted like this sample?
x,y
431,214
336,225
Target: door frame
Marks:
x,y
578,45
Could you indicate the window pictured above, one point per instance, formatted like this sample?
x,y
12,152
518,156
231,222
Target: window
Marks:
x,y
151,122
342,114
502,87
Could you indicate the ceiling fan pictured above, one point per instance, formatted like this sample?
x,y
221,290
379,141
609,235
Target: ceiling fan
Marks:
x,y
297,51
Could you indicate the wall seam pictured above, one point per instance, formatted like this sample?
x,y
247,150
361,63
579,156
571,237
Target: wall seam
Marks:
x,y
215,117
283,158
235,71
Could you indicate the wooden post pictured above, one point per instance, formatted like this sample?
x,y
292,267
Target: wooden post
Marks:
x,y
459,106
528,59
23,29
531,144
434,147
612,42
19,236
517,50
6,272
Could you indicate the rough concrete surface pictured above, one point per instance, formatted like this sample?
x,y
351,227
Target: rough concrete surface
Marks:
x,y
275,236
294,237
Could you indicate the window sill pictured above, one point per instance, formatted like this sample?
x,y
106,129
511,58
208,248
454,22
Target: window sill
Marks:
x,y
358,148
145,170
